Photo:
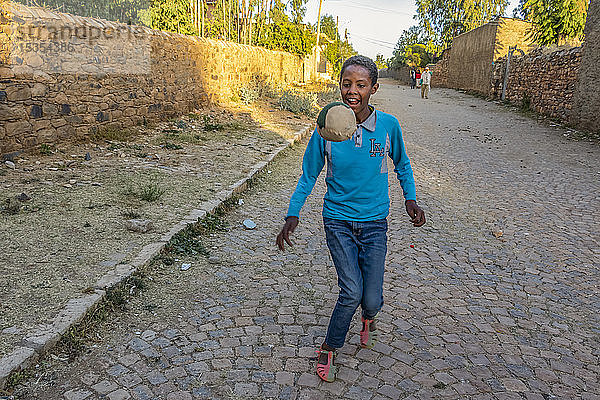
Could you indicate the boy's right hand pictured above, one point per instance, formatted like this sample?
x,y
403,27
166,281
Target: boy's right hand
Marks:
x,y
290,225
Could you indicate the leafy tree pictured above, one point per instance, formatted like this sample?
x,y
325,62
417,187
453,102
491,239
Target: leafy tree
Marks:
x,y
416,55
380,61
125,11
556,21
298,10
446,19
336,50
283,34
173,16
414,48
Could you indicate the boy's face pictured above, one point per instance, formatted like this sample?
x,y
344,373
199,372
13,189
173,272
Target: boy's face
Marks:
x,y
356,88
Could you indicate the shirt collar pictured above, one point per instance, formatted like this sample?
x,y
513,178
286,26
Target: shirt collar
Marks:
x,y
370,123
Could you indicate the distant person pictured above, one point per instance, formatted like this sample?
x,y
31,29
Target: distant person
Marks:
x,y
413,78
418,77
426,77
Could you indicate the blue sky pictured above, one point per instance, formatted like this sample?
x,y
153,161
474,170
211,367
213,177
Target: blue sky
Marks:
x,y
374,26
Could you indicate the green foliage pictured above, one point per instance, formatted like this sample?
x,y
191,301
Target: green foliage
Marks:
x,y
125,11
284,34
445,19
414,48
380,61
336,50
172,15
556,21
46,149
298,102
417,56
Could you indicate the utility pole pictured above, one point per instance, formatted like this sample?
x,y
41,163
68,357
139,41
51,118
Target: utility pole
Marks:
x,y
202,11
317,52
337,34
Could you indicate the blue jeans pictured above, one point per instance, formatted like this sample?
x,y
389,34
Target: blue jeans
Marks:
x,y
358,251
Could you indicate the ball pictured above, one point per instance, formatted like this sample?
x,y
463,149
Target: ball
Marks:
x,y
336,122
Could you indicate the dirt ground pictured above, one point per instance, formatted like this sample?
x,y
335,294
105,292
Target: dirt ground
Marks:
x,y
63,209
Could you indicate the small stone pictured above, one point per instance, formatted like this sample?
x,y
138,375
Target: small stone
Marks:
x,y
13,330
10,164
185,267
139,225
249,224
23,197
87,157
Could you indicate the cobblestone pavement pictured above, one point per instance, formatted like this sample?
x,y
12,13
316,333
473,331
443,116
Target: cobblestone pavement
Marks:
x,y
495,298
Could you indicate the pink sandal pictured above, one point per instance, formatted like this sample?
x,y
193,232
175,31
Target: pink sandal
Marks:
x,y
326,371
368,338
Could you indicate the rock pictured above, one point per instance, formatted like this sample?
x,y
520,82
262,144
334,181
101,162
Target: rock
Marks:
x,y
139,225
23,197
87,157
185,267
249,224
10,164
13,330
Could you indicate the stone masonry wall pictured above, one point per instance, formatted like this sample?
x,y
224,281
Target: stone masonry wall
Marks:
x,y
63,77
469,62
545,80
440,71
586,102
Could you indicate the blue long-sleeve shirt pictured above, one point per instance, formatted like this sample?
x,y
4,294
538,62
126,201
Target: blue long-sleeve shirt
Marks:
x,y
357,173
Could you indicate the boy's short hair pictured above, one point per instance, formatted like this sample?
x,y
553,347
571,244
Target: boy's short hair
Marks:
x,y
364,62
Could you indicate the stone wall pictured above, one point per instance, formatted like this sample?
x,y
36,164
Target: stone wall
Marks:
x,y
468,64
439,78
543,80
402,74
63,77
586,102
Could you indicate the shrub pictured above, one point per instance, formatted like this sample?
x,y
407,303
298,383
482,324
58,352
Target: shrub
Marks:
x,y
297,102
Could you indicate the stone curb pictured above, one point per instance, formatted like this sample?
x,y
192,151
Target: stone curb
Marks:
x,y
45,337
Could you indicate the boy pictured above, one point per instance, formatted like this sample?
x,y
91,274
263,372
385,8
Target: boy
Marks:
x,y
355,206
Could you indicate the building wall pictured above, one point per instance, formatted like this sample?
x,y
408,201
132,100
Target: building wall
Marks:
x,y
439,78
64,77
468,64
543,80
471,57
586,102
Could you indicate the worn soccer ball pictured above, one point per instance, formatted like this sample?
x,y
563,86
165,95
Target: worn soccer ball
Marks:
x,y
336,122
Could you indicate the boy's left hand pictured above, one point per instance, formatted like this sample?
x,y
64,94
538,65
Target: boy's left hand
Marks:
x,y
416,214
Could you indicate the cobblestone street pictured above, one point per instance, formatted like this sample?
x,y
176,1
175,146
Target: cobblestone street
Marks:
x,y
496,297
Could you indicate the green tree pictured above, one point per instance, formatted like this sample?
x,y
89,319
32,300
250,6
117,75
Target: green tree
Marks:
x,y
556,21
446,19
125,11
416,55
336,50
298,10
173,16
380,61
284,34
414,48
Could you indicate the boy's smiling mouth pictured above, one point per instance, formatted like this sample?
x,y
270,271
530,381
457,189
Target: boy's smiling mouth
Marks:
x,y
352,101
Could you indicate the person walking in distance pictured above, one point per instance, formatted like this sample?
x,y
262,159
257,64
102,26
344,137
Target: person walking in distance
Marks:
x,y
425,85
355,207
413,78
